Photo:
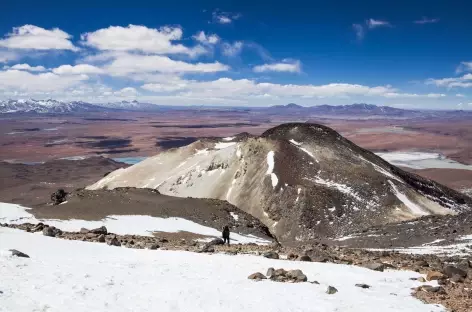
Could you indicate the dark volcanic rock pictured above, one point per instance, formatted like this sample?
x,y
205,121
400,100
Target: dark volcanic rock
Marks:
x,y
17,253
100,230
257,276
450,271
114,242
58,197
271,255
331,290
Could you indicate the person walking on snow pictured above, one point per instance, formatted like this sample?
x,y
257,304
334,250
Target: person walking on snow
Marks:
x,y
226,234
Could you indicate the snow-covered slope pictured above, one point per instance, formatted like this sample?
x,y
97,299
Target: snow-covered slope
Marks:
x,y
46,106
142,225
302,180
63,275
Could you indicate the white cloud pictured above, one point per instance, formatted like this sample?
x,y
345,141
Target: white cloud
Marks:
x,y
77,69
26,67
373,23
125,64
359,30
245,90
460,95
206,39
464,81
225,17
232,49
126,92
426,20
291,67
464,67
37,38
140,38
26,81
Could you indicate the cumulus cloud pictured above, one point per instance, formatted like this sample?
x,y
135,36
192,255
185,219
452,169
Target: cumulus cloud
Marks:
x,y
77,69
291,67
37,38
26,81
373,23
125,64
426,20
233,49
246,89
206,39
26,67
139,38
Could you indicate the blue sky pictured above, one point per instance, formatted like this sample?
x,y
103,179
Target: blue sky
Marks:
x,y
240,53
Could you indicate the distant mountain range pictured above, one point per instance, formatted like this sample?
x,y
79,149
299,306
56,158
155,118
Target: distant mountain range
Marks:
x,y
357,110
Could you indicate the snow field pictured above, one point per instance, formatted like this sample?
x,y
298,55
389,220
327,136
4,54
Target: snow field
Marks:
x,y
124,224
78,276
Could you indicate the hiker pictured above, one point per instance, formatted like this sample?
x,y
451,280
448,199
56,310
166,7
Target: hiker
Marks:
x,y
226,234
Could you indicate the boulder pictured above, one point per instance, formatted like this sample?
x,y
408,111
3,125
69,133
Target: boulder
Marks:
x,y
271,255
101,238
58,197
434,276
51,231
38,227
296,276
100,230
451,270
457,279
421,279
304,258
464,265
331,290
208,247
83,231
17,253
376,266
114,242
365,286
270,272
291,256
154,246
256,276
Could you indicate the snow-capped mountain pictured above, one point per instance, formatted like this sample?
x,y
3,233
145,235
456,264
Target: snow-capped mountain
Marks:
x,y
130,106
303,181
46,106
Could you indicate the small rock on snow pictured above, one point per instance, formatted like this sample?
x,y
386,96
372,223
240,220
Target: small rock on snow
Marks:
x,y
17,253
331,290
257,276
271,255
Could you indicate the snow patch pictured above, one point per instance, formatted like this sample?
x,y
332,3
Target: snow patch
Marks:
x,y
234,215
228,139
295,142
270,168
415,209
222,145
